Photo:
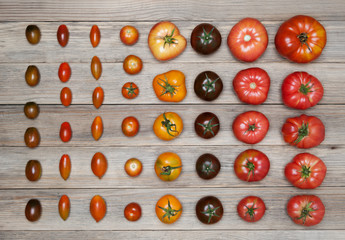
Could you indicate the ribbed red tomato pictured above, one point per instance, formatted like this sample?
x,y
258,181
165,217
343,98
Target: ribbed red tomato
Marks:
x,y
65,132
251,209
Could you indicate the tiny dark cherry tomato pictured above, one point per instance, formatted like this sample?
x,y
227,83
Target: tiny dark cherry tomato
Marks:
x,y
66,96
207,125
207,166
65,132
205,39
97,128
209,210
62,35
64,207
65,166
251,209
132,64
98,97
32,75
129,35
32,137
133,167
98,208
33,170
96,67
99,164
33,210
130,126
132,212
130,90
64,72
168,166
208,86
95,36
33,34
31,110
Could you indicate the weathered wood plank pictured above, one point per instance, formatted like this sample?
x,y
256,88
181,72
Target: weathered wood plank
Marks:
x,y
82,83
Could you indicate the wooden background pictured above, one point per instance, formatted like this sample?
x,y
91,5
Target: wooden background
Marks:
x,y
116,187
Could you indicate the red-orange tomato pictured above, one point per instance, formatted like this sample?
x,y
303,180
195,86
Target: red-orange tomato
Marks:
x,y
65,132
133,167
132,64
130,90
99,164
64,207
130,126
96,67
98,208
64,72
97,128
129,35
95,36
132,212
98,97
65,166
62,35
66,96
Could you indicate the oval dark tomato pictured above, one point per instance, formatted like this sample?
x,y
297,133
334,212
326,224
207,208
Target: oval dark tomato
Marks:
x,y
33,170
99,164
64,207
250,127
31,110
301,39
62,35
66,96
95,36
301,90
65,132
130,90
208,85
207,166
32,75
132,64
32,137
252,85
209,210
168,126
33,210
98,208
168,209
168,166
205,38
251,209
65,166
207,125
129,35
133,167
96,67
98,97
33,34
132,212
64,72
130,126
97,128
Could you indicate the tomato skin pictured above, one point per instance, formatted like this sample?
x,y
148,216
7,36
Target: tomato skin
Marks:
x,y
99,164
302,214
205,39
303,131
170,86
129,35
132,212
250,127
66,96
251,209
301,39
252,85
130,90
98,97
65,166
64,72
133,167
97,128
207,125
209,210
32,75
32,137
251,165
64,207
174,207
33,170
248,40
62,35
168,126
207,166
130,126
95,36
132,64
160,36
305,171
301,90
98,208
96,67
208,85
168,166
65,132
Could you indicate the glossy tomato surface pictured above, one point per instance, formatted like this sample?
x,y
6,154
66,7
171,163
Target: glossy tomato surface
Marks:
x,y
168,126
207,166
98,208
95,36
132,212
62,35
33,170
208,85
133,167
168,166
64,207
130,90
33,34
170,86
33,210
129,35
31,110
132,64
209,210
168,209
65,132
251,209
65,166
97,128
99,164
130,126
205,38
32,75
64,72
66,96
96,67
207,125
32,137
98,97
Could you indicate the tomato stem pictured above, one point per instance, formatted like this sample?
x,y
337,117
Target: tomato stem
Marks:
x,y
206,36
167,170
306,212
207,168
303,131
209,85
167,87
169,212
251,167
251,211
303,38
305,172
305,89
210,212
131,90
168,39
169,126
208,127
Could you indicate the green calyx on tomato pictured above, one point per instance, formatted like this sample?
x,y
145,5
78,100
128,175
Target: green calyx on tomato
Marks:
x,y
208,127
305,172
169,126
251,127
207,37
168,39
305,89
131,90
251,210
251,167
305,212
169,212
302,132
207,168
167,170
168,88
211,212
303,38
209,85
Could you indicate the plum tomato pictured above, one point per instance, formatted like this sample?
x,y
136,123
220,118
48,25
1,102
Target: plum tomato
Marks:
x,y
66,96
99,164
64,72
65,132
98,208
32,137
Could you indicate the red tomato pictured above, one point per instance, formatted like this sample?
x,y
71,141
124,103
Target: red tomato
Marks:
x,y
130,90
98,208
133,167
66,96
98,97
132,212
64,72
95,36
251,209
129,35
301,90
252,85
99,164
62,35
65,166
251,165
64,207
301,39
97,128
132,64
306,171
303,131
250,127
248,40
130,126
65,132
307,210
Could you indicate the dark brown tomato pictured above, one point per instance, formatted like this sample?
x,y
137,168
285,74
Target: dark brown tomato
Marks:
x,y
33,170
205,39
62,35
33,210
207,125
208,86
32,137
209,210
31,110
207,166
32,75
33,34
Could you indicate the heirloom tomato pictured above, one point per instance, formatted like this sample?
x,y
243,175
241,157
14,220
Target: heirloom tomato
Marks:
x,y
207,166
168,126
33,34
33,210
251,209
170,86
33,170
209,210
31,110
208,85
205,38
207,125
168,166
168,209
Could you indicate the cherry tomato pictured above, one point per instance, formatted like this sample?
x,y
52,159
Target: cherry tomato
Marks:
x,y
95,36
31,110
66,96
168,209
62,35
33,170
32,137
130,90
97,128
132,212
98,208
168,166
205,39
65,166
96,67
207,166
209,210
133,167
33,34
132,64
64,207
208,86
99,164
64,72
251,209
130,126
129,35
65,132
98,97
33,210
168,126
32,75
207,125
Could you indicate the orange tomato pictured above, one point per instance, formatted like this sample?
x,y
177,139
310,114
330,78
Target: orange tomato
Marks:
x,y
129,35
95,36
66,96
97,128
170,86
96,67
133,167
98,208
130,126
98,97
99,164
168,209
64,207
168,126
168,166
130,90
65,166
132,64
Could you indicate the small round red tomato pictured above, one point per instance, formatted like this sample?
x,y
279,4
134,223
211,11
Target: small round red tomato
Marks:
x,y
64,72
301,90
248,40
307,210
66,96
133,167
168,166
168,209
205,38
303,131
301,39
129,35
130,90
132,212
250,127
252,85
130,126
306,171
65,132
251,165
251,209
209,210
132,64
